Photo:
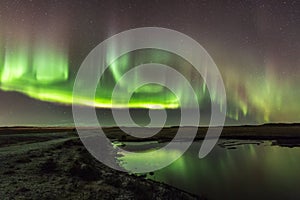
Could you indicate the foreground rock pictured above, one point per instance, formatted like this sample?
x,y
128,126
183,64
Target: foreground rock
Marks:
x,y
65,170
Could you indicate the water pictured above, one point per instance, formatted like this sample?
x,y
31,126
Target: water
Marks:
x,y
233,170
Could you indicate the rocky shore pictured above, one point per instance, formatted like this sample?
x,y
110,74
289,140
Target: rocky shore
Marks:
x,y
57,166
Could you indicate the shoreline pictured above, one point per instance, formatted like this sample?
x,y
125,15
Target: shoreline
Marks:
x,y
57,166
54,159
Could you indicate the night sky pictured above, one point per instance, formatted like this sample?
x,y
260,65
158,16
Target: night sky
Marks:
x,y
255,44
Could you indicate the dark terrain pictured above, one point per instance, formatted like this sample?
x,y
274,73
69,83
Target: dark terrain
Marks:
x,y
35,165
52,163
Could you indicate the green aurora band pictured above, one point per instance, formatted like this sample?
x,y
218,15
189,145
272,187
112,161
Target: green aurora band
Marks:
x,y
43,72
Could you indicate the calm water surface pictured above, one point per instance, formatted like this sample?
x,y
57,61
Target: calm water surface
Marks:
x,y
233,170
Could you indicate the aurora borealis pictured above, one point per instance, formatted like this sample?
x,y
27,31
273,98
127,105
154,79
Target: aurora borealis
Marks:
x,y
255,45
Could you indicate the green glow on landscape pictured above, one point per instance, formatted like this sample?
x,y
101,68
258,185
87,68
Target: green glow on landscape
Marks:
x,y
221,166
149,158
